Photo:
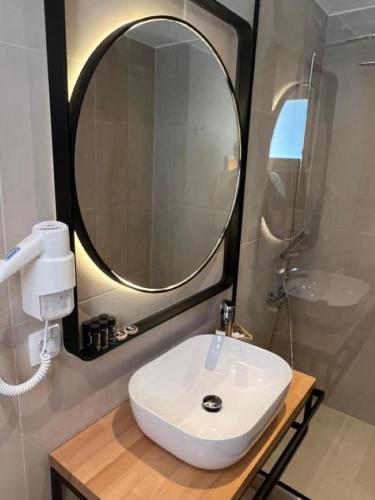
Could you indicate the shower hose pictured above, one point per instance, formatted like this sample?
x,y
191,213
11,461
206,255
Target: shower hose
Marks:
x,y
45,362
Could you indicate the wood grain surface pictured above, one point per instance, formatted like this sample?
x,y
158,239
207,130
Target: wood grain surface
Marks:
x,y
112,459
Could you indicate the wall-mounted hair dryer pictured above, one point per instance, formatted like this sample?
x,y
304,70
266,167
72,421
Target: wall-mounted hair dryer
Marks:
x,y
47,280
47,271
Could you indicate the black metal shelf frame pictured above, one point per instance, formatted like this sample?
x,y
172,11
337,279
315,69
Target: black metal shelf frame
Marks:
x,y
66,209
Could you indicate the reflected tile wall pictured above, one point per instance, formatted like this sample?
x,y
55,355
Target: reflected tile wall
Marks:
x,y
114,158
192,190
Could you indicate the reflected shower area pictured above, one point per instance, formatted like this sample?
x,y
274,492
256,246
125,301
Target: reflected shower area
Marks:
x,y
317,103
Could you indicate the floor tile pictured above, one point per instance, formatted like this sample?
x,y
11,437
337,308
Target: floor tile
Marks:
x,y
337,455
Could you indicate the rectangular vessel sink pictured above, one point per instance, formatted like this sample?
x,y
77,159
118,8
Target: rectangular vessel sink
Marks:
x,y
208,399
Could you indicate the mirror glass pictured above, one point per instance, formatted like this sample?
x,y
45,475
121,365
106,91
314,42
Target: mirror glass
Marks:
x,y
157,155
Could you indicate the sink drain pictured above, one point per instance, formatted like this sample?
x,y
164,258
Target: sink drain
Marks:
x,y
212,403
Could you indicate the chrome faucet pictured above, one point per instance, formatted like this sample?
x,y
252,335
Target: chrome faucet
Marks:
x,y
227,309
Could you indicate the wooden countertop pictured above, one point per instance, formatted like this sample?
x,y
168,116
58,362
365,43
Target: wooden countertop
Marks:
x,y
112,459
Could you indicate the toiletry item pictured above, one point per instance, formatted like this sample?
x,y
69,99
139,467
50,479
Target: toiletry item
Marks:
x,y
121,334
103,316
111,329
95,334
104,334
131,329
87,337
95,319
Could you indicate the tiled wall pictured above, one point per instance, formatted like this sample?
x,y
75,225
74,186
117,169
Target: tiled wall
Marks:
x,y
75,393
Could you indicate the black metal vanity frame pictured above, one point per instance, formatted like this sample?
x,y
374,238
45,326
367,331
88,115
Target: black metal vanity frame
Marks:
x,y
270,479
64,169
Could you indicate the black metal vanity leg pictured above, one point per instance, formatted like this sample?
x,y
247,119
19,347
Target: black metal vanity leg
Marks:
x,y
57,482
56,485
272,478
308,407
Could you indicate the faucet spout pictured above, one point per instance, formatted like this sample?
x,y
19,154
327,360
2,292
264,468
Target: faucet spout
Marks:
x,y
227,309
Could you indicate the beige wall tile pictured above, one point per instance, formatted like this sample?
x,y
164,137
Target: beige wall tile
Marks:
x,y
281,51
22,23
23,88
27,192
4,301
112,85
85,162
140,162
220,34
126,304
257,177
209,276
90,281
244,8
87,27
12,473
139,232
202,319
257,278
112,234
111,159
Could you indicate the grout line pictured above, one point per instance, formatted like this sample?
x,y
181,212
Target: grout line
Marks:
x,y
350,11
23,448
362,461
4,245
12,325
103,294
23,47
20,419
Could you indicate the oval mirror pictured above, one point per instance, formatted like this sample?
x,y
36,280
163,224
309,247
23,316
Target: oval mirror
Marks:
x,y
156,154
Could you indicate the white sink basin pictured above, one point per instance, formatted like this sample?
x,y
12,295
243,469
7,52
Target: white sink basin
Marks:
x,y
166,398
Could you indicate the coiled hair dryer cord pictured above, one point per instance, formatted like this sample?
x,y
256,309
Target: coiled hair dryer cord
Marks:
x,y
45,362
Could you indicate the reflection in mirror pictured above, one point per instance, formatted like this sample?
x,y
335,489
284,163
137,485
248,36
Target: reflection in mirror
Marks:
x,y
284,212
289,134
157,155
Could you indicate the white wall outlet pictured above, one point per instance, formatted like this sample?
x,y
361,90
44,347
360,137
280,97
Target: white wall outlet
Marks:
x,y
36,343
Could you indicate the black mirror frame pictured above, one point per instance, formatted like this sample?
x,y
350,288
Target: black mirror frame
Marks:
x,y
63,165
75,106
